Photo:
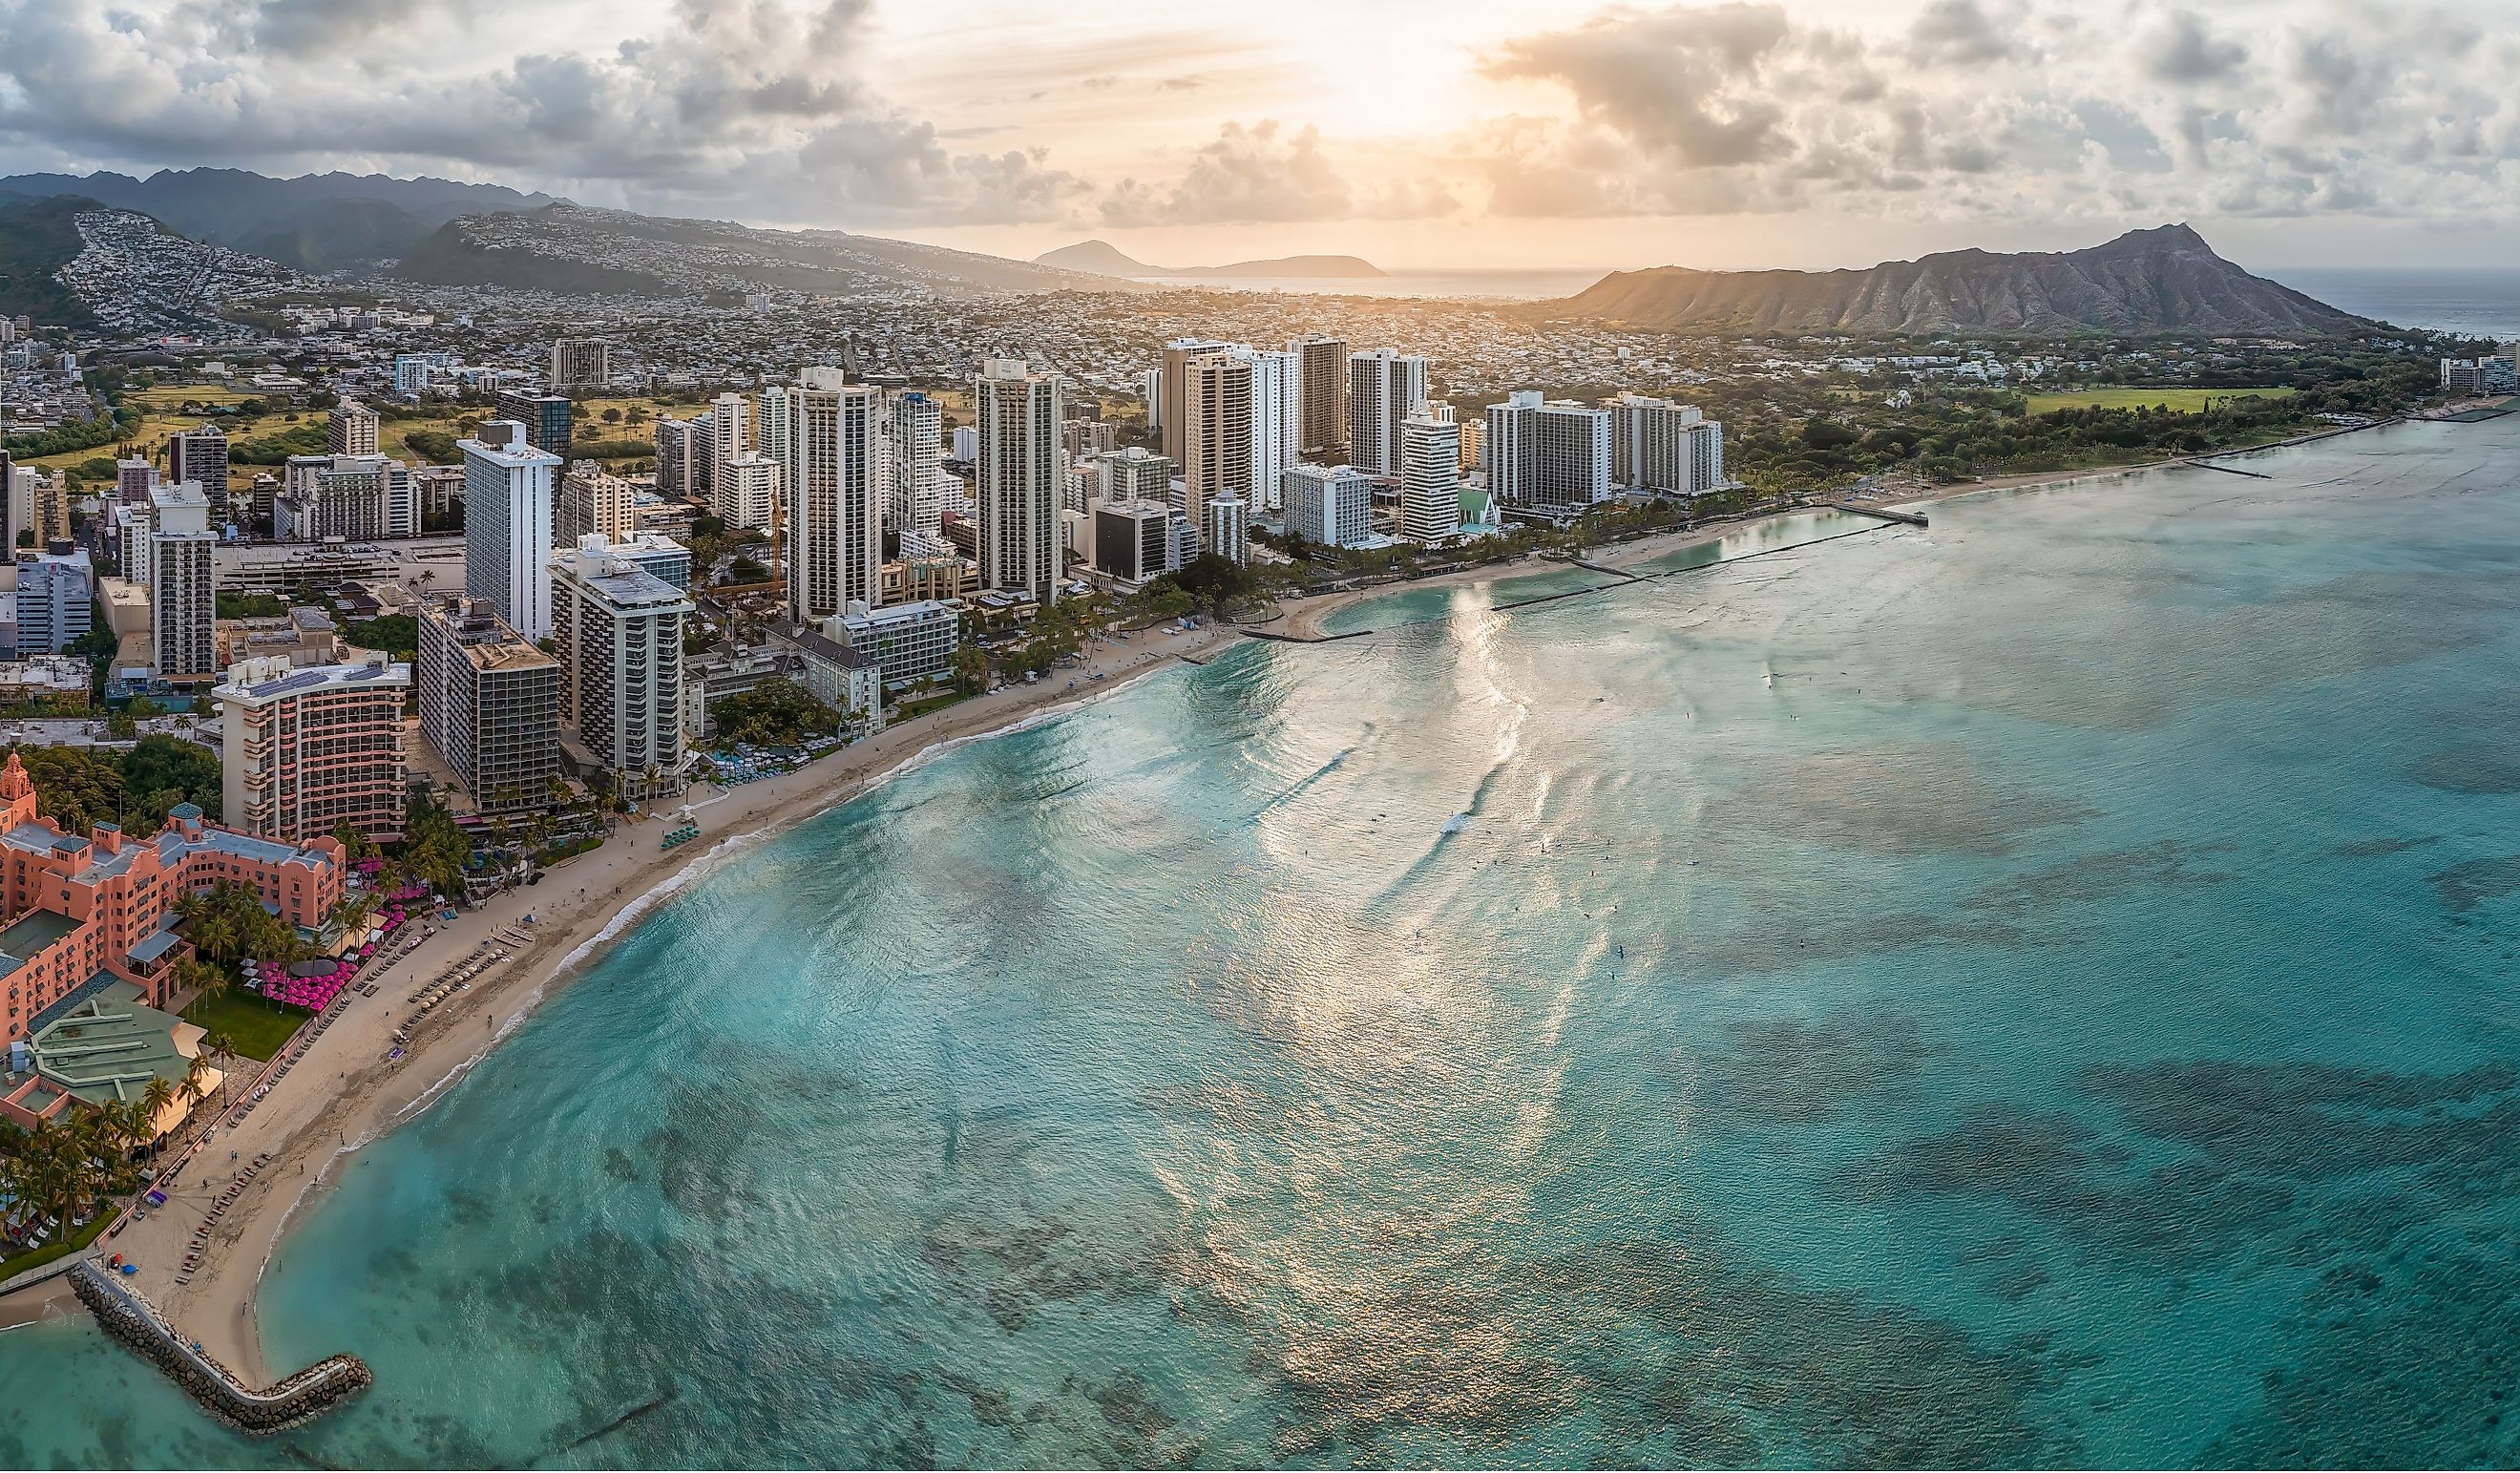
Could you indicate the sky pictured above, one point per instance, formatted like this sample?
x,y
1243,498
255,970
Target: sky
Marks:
x,y
1418,133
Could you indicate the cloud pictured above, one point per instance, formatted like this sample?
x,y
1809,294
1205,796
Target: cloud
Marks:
x,y
2025,109
1961,33
2181,50
2045,111
1264,175
749,107
1683,80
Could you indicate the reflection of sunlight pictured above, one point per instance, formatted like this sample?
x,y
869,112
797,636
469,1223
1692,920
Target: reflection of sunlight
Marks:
x,y
1480,672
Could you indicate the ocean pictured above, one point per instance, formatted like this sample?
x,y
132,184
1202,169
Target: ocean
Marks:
x,y
2482,301
1492,285
2034,990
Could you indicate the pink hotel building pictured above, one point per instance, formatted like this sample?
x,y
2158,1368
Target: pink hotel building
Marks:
x,y
86,912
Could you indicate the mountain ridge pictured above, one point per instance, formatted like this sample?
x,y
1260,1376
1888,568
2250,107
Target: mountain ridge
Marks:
x,y
575,247
312,222
2163,280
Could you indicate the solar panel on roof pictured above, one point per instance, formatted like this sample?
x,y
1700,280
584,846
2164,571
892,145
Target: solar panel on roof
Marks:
x,y
301,680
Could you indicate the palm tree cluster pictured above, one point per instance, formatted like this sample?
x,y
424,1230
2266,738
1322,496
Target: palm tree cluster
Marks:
x,y
227,923
64,1168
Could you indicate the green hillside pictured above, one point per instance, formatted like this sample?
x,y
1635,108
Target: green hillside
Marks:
x,y
37,238
448,257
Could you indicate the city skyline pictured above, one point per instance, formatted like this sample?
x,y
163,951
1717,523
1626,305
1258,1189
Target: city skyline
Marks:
x,y
1813,134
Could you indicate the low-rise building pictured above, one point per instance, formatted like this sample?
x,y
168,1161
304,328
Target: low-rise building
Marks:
x,y
906,641
85,912
1136,542
61,682
56,599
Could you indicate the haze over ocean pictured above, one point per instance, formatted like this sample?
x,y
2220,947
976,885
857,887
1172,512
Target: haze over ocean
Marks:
x,y
2033,990
2483,300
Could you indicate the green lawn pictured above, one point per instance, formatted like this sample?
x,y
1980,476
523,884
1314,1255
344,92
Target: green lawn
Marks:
x,y
911,709
258,1025
38,1257
2186,401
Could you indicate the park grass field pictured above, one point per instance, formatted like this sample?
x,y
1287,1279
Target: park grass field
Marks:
x,y
161,410
258,1025
2186,401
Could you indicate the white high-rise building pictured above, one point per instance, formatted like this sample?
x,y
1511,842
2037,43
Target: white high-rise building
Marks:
x,y
732,434
1549,455
1018,479
1705,456
1329,505
509,489
1224,528
1276,413
183,623
774,420
680,445
1385,388
915,459
747,490
1430,478
835,497
620,631
1664,448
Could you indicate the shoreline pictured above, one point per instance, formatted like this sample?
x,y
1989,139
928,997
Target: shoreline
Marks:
x,y
347,1087
1302,618
588,902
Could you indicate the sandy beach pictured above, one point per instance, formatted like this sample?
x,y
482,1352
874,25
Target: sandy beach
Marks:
x,y
345,1090
1304,618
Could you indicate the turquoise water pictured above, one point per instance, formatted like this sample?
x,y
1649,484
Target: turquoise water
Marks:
x,y
2031,991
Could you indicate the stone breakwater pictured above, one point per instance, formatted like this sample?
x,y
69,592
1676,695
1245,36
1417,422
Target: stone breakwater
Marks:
x,y
134,1321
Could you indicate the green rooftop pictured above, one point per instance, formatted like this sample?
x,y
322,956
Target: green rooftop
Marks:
x,y
28,935
110,1046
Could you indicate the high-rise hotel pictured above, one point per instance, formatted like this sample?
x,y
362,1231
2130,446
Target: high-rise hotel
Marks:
x,y
1019,480
508,494
1385,388
835,497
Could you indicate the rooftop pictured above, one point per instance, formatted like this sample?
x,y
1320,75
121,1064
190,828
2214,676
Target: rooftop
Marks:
x,y
484,639
509,456
266,678
30,935
110,1045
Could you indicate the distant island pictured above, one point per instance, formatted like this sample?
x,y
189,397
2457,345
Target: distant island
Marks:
x,y
2163,280
1103,259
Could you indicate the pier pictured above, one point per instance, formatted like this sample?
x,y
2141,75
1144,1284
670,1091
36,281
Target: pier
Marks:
x,y
1886,514
123,1314
2204,465
1624,577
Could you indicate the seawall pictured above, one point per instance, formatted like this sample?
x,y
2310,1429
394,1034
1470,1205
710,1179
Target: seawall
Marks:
x,y
133,1320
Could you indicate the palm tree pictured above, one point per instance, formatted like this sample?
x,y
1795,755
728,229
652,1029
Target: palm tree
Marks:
x,y
202,979
155,1097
